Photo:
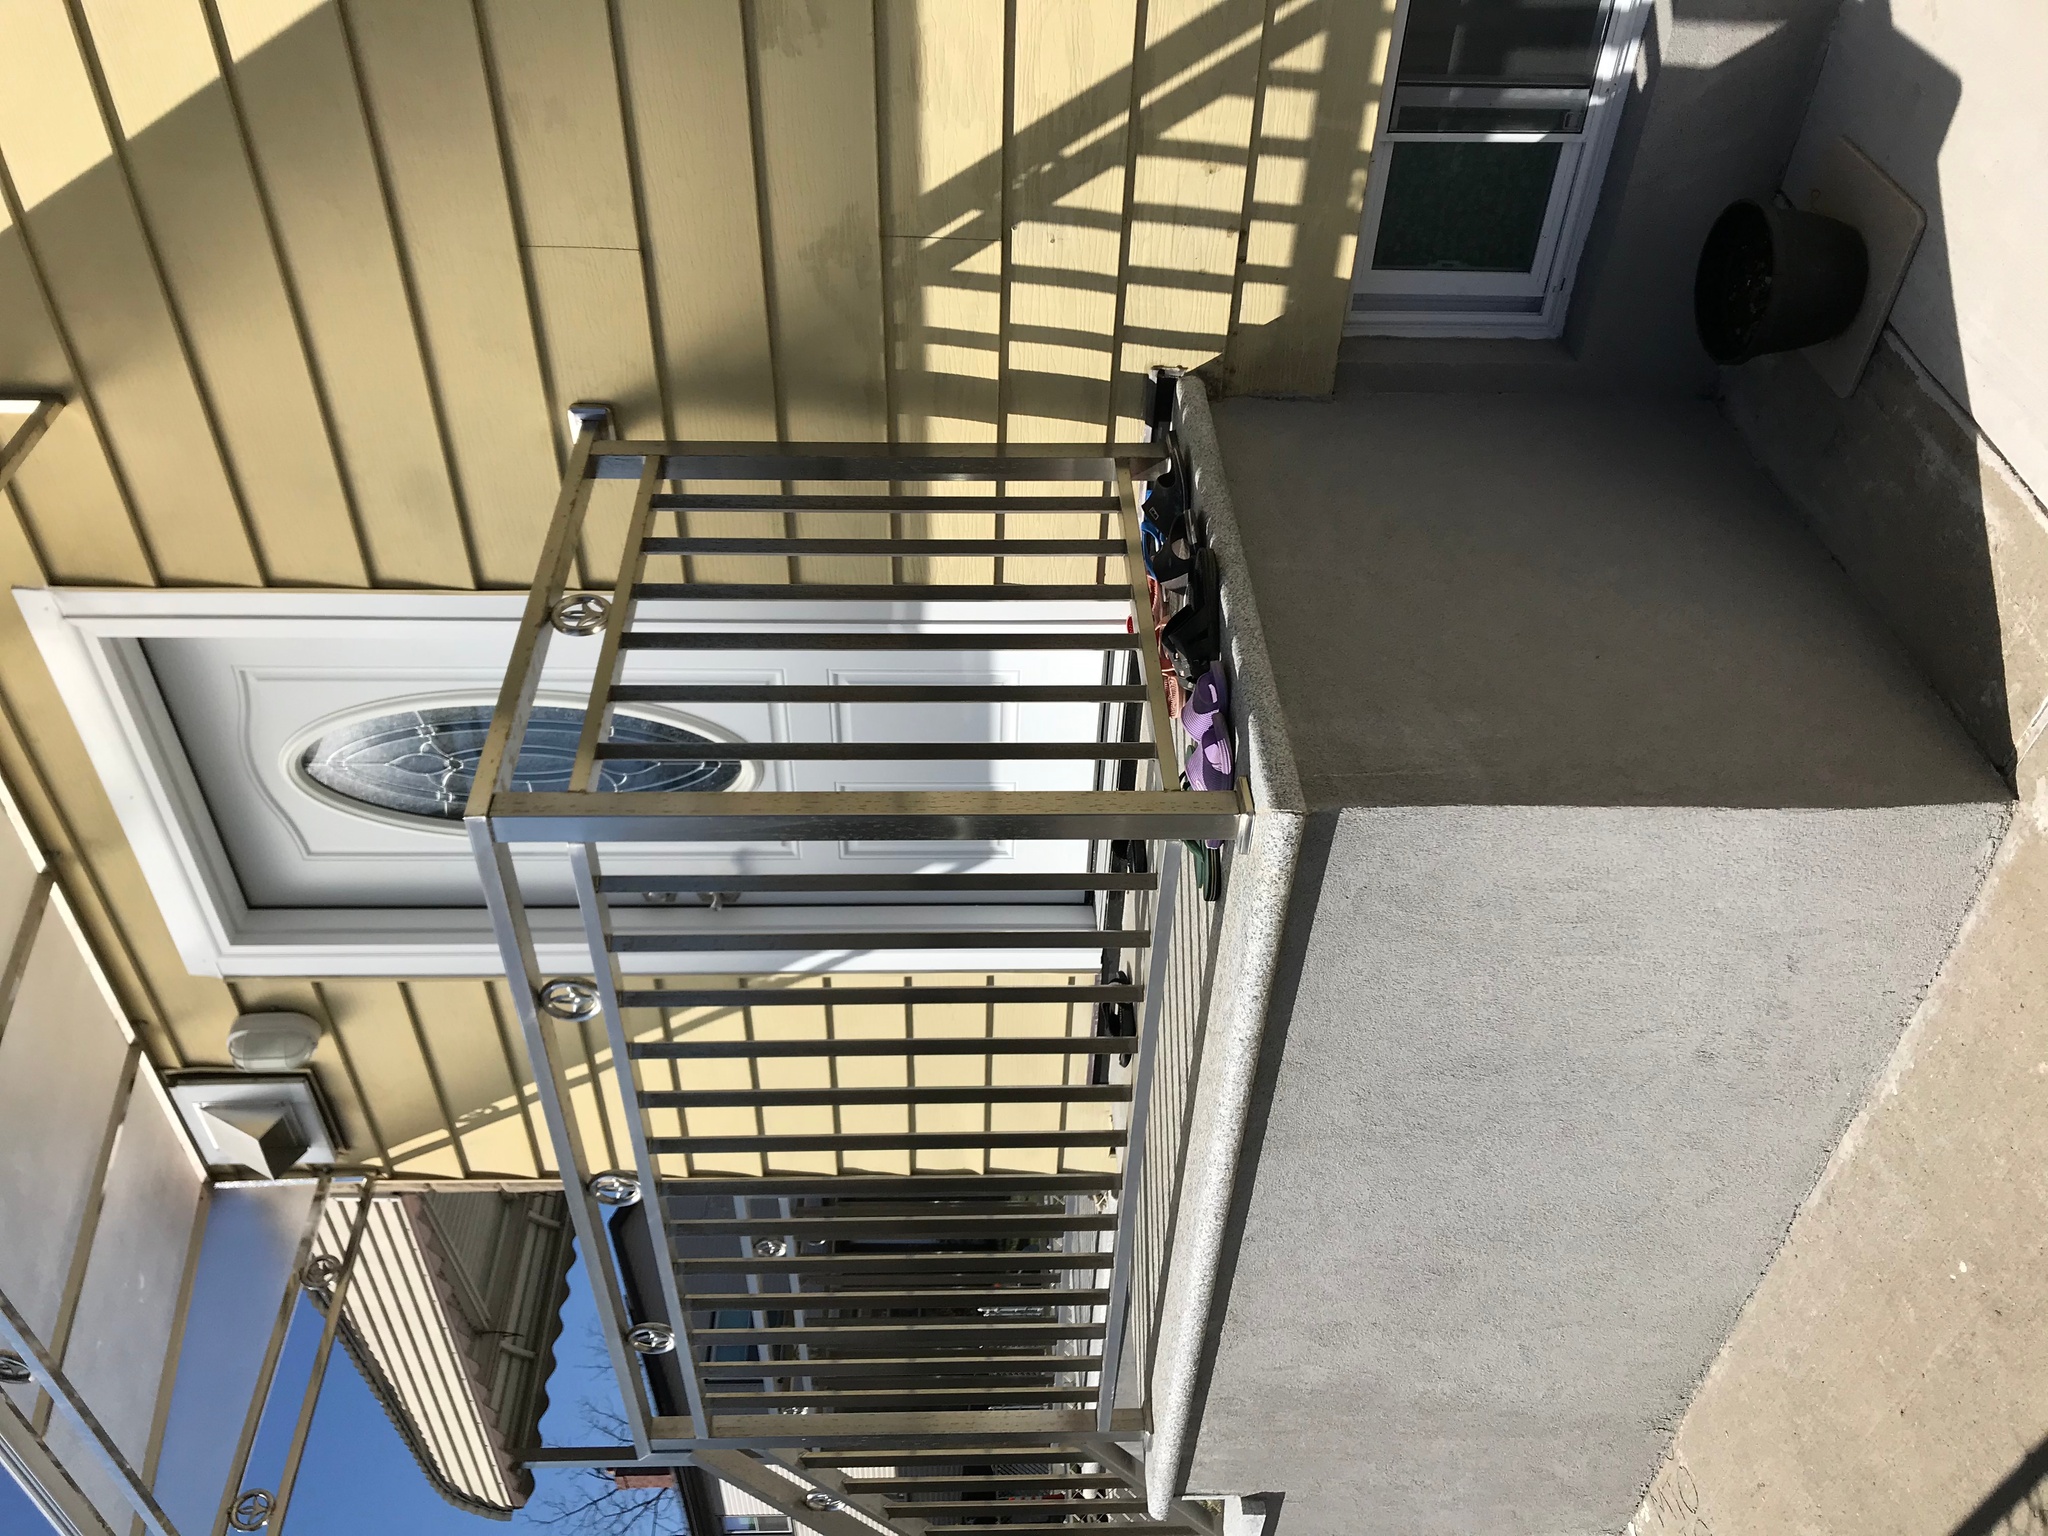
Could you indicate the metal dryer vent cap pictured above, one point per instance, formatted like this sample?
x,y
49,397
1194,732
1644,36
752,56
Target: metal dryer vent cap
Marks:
x,y
272,1042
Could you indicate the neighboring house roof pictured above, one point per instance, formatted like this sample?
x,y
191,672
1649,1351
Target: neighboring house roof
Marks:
x,y
451,1317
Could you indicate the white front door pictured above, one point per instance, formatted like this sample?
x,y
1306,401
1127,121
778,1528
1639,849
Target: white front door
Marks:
x,y
250,710
212,716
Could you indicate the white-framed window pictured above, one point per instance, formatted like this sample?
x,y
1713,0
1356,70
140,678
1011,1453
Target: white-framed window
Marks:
x,y
1494,135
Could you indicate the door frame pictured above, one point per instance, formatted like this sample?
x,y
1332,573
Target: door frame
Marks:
x,y
1482,304
91,639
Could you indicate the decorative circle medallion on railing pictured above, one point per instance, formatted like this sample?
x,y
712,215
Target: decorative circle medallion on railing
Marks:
x,y
651,1338
580,613
322,1273
570,999
252,1511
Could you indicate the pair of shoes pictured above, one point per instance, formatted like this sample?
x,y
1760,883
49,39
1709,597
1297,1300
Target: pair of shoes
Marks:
x,y
1194,636
1176,694
1212,763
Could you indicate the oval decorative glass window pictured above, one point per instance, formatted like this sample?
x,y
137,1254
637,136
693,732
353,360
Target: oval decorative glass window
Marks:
x,y
421,762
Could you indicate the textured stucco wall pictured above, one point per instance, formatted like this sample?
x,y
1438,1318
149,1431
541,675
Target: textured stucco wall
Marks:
x,y
1550,1086
1919,481
1947,99
1720,89
1637,842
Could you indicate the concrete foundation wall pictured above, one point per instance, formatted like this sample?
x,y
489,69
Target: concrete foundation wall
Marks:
x,y
1932,525
1889,1377
1549,1087
1918,483
1637,841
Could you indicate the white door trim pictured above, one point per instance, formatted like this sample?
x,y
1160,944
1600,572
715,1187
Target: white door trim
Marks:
x,y
91,640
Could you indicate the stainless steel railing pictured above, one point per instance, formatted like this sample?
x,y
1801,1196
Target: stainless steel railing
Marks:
x,y
1182,988
820,1211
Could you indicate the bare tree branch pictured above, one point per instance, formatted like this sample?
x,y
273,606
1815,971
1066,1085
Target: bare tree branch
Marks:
x,y
598,1506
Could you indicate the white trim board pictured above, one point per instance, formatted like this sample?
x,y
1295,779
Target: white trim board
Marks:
x,y
91,639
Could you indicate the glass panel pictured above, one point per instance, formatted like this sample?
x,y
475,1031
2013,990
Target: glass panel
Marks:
x,y
1465,207
1524,42
420,762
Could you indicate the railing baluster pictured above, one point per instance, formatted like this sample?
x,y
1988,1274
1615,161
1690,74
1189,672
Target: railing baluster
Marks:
x,y
812,545
565,1132
596,928
871,592
782,504
530,646
618,618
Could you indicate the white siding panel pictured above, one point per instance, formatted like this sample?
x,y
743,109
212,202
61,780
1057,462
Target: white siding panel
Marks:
x,y
61,1059
122,1340
245,1267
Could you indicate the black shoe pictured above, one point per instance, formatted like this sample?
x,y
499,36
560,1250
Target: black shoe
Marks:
x,y
1166,502
1113,1021
1194,636
1163,529
1169,562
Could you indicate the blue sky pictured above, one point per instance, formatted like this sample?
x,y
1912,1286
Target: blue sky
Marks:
x,y
358,1476
16,1512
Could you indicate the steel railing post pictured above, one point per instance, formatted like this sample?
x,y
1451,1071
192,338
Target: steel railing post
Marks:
x,y
515,945
604,967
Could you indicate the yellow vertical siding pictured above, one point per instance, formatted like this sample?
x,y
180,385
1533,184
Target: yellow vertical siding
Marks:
x,y
318,277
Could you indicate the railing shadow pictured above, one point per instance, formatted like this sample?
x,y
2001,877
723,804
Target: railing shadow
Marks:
x,y
2018,1506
